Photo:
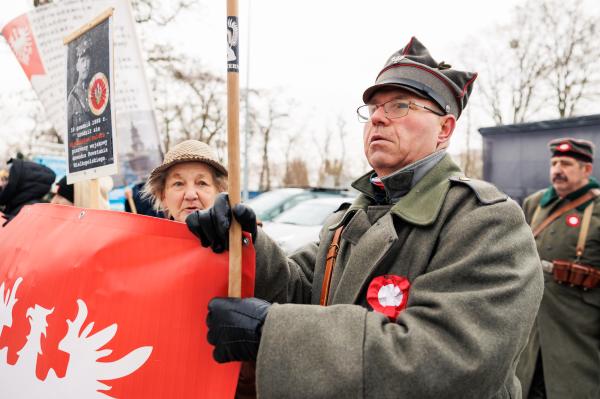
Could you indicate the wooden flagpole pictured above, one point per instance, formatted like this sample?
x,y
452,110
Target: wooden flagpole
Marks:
x,y
233,147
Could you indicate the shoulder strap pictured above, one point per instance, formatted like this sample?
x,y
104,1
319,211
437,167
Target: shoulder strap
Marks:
x,y
593,193
329,264
583,232
535,214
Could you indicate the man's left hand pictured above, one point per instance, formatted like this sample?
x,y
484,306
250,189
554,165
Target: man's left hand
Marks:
x,y
235,327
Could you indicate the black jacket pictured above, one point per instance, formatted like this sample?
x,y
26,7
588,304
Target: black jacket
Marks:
x,y
28,182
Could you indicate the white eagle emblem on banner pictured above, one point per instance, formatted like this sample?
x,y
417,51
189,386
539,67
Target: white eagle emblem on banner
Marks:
x,y
21,42
84,371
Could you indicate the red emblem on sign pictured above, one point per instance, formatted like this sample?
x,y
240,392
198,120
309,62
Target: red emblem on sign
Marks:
x,y
98,93
388,294
573,220
564,147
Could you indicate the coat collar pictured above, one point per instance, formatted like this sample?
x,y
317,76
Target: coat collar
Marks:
x,y
421,205
550,195
402,181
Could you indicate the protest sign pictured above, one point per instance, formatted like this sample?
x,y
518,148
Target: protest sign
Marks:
x,y
36,39
90,144
100,304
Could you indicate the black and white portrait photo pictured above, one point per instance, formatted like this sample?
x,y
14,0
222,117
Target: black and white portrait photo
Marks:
x,y
89,94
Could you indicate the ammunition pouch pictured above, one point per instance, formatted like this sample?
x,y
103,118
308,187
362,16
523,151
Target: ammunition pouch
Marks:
x,y
575,274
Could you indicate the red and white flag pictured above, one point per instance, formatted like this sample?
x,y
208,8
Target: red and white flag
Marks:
x,y
100,304
19,35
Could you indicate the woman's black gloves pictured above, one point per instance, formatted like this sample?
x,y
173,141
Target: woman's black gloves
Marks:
x,y
235,327
211,225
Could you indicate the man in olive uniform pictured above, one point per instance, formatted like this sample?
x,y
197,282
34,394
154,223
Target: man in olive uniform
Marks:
x,y
435,286
77,102
562,359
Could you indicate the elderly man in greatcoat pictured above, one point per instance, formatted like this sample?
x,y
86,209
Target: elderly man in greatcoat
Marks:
x,y
426,286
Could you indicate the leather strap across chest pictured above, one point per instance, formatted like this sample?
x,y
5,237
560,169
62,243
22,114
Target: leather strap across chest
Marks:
x,y
585,222
332,252
585,227
593,193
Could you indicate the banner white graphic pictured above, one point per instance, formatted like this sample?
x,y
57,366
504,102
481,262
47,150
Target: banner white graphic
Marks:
x,y
85,370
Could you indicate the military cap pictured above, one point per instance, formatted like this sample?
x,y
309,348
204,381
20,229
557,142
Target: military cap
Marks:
x,y
412,68
582,150
83,47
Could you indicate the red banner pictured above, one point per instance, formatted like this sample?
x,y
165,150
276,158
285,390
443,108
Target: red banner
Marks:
x,y
101,304
19,35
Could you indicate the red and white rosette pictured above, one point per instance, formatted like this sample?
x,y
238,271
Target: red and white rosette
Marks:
x,y
98,93
564,147
388,294
573,220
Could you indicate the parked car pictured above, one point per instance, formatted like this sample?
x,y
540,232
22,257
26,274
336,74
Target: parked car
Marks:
x,y
271,203
301,224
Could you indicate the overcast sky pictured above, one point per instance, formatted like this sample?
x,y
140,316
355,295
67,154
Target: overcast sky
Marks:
x,y
321,53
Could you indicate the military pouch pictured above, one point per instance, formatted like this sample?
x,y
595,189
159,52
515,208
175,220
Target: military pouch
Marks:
x,y
576,275
560,271
592,280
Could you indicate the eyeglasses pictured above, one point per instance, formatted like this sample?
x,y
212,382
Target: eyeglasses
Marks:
x,y
393,109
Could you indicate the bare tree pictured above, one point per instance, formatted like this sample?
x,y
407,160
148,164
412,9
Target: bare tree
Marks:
x,y
296,174
26,111
333,155
159,12
264,127
190,102
544,63
296,170
573,52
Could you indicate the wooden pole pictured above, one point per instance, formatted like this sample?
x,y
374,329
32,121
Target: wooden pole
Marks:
x,y
96,21
87,194
233,147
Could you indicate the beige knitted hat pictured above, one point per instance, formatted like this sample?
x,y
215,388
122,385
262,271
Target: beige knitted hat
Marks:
x,y
189,151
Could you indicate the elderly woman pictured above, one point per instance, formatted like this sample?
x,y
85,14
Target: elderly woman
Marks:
x,y
189,179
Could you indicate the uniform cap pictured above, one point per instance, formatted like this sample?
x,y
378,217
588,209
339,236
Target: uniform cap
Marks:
x,y
83,46
574,148
412,68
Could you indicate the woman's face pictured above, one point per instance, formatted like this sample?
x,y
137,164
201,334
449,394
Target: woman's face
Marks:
x,y
189,186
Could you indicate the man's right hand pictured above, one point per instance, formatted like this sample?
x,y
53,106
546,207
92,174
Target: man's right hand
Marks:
x,y
211,225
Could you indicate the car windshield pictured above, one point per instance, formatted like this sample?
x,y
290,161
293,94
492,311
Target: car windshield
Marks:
x,y
265,202
308,213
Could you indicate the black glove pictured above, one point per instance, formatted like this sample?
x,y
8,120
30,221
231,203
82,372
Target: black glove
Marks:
x,y
211,225
235,327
